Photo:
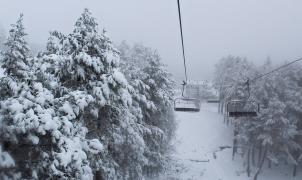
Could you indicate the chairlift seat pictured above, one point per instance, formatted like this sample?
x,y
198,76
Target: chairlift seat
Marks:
x,y
187,104
213,101
241,108
242,114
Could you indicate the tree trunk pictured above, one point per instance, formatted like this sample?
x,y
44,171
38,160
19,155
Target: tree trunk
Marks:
x,y
219,106
295,171
98,176
248,169
269,164
228,120
296,155
220,100
235,143
253,155
259,155
261,164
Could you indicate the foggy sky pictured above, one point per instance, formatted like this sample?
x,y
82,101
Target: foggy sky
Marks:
x,y
254,29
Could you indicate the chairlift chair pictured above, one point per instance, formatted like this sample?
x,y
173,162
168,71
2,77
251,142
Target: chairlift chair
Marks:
x,y
187,104
242,108
183,103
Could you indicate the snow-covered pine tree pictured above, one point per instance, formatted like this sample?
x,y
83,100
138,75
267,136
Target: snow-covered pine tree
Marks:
x,y
38,137
15,60
91,53
2,37
279,120
75,117
2,41
88,64
152,101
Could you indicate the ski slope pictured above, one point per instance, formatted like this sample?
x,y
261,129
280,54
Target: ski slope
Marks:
x,y
203,151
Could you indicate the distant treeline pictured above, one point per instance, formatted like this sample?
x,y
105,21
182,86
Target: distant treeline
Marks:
x,y
274,136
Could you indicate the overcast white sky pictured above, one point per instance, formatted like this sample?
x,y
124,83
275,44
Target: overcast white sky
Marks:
x,y
212,28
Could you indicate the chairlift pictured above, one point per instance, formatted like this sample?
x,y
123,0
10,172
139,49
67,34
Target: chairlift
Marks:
x,y
242,108
187,104
184,103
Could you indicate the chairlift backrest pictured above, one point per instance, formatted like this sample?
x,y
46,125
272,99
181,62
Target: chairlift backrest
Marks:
x,y
187,104
193,91
242,108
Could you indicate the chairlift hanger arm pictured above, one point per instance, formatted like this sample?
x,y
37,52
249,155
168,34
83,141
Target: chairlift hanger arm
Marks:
x,y
182,41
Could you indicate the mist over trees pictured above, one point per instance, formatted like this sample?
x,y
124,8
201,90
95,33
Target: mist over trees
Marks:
x,y
81,109
274,136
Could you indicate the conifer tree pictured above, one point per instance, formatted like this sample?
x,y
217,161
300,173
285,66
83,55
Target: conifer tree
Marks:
x,y
38,137
88,63
15,60
152,101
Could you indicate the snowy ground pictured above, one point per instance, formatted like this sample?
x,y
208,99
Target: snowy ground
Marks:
x,y
203,151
